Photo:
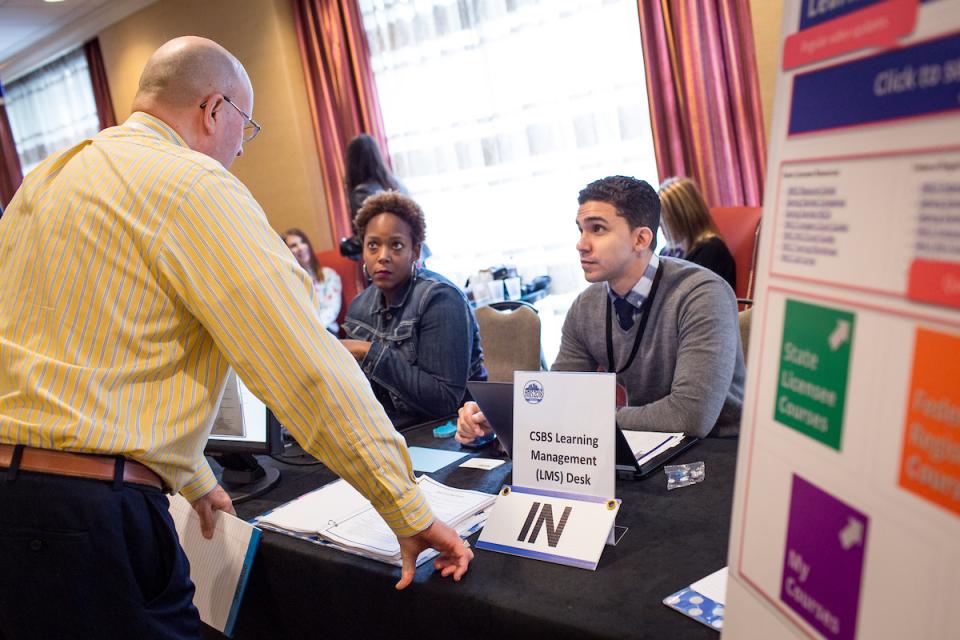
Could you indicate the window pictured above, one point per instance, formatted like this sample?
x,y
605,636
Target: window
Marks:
x,y
52,108
497,112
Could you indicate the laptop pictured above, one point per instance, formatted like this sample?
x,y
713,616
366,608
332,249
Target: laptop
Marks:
x,y
496,402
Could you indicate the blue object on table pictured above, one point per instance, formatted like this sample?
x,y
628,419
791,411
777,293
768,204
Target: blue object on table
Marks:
x,y
697,606
430,460
479,442
447,430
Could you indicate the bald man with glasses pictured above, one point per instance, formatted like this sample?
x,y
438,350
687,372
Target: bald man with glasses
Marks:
x,y
137,271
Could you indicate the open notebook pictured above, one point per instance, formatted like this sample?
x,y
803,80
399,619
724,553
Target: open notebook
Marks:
x,y
337,515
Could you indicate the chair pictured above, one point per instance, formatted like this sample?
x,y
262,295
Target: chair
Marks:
x,y
510,336
740,228
350,277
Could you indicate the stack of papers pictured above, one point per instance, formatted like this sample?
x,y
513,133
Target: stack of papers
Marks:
x,y
337,515
647,445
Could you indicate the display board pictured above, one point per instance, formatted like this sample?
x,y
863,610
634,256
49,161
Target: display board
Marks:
x,y
846,520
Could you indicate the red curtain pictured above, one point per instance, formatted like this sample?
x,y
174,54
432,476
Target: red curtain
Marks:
x,y
10,174
101,90
704,96
341,91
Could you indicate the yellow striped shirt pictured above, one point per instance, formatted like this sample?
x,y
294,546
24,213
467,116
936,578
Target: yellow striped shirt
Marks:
x,y
133,273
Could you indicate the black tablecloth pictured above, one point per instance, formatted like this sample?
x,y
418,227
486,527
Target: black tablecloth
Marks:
x,y
302,590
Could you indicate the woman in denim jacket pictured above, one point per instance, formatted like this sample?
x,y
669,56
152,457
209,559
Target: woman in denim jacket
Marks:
x,y
413,332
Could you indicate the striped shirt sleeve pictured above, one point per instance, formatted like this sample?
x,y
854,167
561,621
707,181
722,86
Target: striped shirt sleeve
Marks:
x,y
238,279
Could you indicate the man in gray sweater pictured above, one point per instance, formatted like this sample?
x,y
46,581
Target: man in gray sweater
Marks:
x,y
667,327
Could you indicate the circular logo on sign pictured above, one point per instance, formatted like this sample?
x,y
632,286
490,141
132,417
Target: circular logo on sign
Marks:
x,y
533,392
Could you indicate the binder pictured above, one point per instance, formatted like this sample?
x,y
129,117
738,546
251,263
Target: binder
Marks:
x,y
219,567
336,515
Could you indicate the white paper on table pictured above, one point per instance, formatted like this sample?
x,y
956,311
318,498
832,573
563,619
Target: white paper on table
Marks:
x,y
318,510
342,516
482,463
648,444
367,531
713,586
451,505
430,460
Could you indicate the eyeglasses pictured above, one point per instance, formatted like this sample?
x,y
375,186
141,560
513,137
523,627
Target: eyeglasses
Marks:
x,y
250,129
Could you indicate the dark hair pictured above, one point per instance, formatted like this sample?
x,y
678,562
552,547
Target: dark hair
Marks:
x,y
364,164
633,199
314,265
686,218
399,205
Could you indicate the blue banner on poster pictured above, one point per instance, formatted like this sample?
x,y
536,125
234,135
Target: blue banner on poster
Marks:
x,y
923,79
814,12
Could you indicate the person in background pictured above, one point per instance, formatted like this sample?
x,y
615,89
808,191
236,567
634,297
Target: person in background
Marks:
x,y
326,281
413,332
666,327
366,173
691,232
108,386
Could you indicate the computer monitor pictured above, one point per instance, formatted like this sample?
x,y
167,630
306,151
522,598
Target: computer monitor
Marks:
x,y
244,426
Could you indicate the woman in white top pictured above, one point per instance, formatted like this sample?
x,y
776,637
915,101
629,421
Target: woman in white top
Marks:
x,y
326,281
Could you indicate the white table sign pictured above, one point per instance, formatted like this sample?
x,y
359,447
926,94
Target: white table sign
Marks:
x,y
564,432
553,526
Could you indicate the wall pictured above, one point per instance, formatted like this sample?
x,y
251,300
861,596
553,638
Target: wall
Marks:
x,y
281,167
767,17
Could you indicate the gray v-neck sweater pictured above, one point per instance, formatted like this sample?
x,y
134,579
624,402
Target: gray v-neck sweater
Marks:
x,y
688,373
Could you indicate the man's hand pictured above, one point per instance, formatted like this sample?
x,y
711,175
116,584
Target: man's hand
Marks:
x,y
215,500
454,556
357,348
471,424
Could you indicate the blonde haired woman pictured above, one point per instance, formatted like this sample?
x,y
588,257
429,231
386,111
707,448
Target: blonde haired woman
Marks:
x,y
691,232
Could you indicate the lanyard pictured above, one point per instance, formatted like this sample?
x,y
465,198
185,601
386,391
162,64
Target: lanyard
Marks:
x,y
645,311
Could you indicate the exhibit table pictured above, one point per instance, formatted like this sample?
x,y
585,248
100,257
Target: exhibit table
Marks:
x,y
299,590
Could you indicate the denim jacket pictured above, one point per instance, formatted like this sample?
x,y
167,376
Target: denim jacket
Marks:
x,y
424,348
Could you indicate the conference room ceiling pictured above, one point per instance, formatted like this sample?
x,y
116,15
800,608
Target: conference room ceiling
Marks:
x,y
34,31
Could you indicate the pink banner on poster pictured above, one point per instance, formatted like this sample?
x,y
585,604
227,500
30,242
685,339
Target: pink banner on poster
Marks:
x,y
875,26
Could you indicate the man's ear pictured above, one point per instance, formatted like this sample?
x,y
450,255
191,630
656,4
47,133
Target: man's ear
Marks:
x,y
642,237
416,252
211,110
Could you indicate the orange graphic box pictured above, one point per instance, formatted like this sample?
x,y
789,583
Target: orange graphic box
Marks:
x,y
930,465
